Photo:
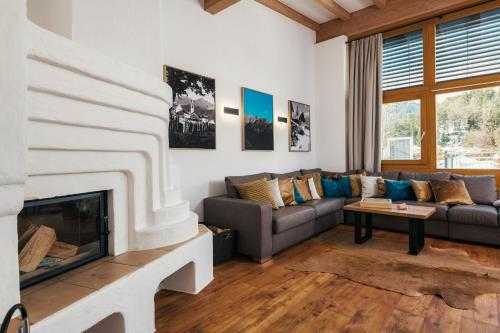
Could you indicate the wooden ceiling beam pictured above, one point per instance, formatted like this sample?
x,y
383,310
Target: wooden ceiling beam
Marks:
x,y
215,6
397,13
380,3
335,8
290,13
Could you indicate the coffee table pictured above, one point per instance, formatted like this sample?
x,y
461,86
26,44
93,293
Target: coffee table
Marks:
x,y
416,216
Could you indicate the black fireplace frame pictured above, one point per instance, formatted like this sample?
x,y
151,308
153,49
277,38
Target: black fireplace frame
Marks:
x,y
103,233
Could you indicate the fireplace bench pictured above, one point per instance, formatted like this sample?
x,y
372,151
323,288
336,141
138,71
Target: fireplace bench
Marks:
x,y
125,284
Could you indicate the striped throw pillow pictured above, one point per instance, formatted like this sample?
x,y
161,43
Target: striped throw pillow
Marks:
x,y
317,182
257,191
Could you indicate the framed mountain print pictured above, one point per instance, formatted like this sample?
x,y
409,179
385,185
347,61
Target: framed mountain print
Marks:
x,y
299,127
257,120
192,116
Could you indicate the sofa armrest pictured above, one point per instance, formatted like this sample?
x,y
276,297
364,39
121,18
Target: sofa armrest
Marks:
x,y
252,221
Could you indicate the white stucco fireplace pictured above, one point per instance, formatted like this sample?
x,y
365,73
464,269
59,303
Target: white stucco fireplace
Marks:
x,y
74,121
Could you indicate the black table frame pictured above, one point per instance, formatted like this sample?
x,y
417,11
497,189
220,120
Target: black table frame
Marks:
x,y
416,232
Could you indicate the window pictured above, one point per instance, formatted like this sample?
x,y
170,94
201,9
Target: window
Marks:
x,y
403,61
468,129
400,130
441,93
468,47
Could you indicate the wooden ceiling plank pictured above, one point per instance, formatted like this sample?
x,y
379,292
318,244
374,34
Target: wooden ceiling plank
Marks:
x,y
380,3
290,13
371,20
335,8
215,6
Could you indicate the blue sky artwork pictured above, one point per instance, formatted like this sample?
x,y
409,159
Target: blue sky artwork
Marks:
x,y
258,104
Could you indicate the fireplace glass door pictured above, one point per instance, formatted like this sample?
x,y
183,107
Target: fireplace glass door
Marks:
x,y
59,234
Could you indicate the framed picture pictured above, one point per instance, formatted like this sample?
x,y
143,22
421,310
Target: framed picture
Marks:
x,y
192,116
299,127
257,120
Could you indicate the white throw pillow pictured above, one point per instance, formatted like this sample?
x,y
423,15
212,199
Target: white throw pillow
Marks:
x,y
312,188
369,187
274,187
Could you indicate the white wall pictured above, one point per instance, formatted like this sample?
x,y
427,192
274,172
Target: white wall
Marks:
x,y
331,97
246,45
127,30
53,15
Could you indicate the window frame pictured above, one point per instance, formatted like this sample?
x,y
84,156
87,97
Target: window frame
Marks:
x,y
423,125
427,93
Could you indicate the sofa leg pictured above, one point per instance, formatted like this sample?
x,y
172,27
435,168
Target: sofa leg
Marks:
x,y
263,260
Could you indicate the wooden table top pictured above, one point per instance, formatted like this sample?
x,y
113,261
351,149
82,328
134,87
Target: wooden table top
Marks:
x,y
413,212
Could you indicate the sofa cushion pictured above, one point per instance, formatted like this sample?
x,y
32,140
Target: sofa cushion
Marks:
x,y
309,171
348,201
232,192
474,214
424,175
292,174
291,216
326,206
391,175
441,210
482,189
335,174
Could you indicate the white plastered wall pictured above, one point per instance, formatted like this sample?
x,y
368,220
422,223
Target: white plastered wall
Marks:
x,y
331,97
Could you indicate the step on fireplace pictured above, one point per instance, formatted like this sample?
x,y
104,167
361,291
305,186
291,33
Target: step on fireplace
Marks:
x,y
60,234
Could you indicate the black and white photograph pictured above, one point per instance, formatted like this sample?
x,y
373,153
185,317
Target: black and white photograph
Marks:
x,y
299,127
192,116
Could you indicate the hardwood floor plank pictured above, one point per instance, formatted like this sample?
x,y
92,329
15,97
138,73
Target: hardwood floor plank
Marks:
x,y
468,325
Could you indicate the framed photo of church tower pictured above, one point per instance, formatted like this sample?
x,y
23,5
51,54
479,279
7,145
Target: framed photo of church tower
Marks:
x,y
192,117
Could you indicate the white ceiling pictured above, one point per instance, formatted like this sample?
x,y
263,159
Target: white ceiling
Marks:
x,y
316,12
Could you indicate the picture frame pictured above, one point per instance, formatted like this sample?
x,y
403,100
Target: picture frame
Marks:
x,y
257,120
299,127
193,115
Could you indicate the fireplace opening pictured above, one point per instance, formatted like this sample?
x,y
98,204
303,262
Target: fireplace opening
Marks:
x,y
60,234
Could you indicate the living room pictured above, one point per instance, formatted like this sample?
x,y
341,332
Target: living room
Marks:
x,y
250,165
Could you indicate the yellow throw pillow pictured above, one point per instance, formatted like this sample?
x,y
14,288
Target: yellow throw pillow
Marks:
x,y
287,193
451,192
355,181
257,191
317,182
303,188
382,190
422,190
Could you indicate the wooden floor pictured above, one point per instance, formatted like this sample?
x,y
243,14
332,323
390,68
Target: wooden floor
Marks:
x,y
248,297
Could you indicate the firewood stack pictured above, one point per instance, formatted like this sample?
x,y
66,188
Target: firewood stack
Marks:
x,y
38,242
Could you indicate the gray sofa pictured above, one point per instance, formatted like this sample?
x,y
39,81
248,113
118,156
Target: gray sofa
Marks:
x,y
263,231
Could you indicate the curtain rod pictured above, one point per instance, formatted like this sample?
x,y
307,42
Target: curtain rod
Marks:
x,y
423,20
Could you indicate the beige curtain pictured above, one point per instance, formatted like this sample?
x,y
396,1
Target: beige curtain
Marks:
x,y
364,104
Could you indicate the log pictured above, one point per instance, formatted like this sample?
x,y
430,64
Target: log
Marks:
x,y
36,249
26,236
63,250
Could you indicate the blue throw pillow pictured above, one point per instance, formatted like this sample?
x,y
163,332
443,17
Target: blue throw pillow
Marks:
x,y
335,188
298,197
399,190
346,187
